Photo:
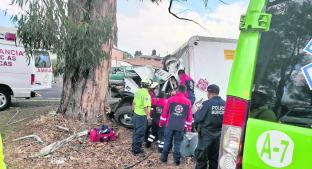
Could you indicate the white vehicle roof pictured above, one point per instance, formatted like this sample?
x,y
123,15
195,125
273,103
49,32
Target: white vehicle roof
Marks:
x,y
201,38
204,58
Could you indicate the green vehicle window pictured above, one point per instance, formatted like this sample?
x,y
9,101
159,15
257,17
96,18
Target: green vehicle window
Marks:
x,y
278,72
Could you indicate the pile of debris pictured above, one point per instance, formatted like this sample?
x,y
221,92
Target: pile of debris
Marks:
x,y
55,142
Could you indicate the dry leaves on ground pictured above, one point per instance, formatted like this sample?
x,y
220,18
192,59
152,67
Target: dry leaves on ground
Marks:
x,y
79,153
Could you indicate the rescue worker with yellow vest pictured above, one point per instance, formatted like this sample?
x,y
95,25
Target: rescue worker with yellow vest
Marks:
x,y
2,165
141,115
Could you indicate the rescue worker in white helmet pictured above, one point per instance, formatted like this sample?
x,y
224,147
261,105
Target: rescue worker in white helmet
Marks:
x,y
141,115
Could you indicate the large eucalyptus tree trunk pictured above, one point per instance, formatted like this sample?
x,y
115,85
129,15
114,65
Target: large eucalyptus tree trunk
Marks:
x,y
85,90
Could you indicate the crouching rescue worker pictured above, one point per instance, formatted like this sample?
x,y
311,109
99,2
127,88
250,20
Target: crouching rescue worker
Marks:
x,y
157,132
141,115
177,116
209,121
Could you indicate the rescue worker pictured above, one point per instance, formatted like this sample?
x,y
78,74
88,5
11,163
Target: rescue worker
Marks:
x,y
157,132
153,90
150,138
259,108
2,164
177,116
209,121
187,81
141,115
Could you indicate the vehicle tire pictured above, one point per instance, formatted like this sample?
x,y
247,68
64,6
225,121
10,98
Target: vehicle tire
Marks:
x,y
5,99
123,116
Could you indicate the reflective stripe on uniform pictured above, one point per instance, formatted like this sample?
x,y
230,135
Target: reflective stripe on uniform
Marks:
x,y
187,123
161,144
151,138
161,118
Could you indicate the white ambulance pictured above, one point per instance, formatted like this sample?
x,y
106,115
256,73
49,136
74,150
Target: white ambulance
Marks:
x,y
21,76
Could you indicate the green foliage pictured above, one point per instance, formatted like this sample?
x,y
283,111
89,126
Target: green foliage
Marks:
x,y
281,55
127,55
138,53
45,25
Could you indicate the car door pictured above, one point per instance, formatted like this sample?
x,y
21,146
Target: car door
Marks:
x,y
43,70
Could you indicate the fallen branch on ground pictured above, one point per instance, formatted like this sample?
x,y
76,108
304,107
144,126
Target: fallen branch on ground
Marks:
x,y
29,136
56,145
133,165
62,128
53,112
16,113
18,121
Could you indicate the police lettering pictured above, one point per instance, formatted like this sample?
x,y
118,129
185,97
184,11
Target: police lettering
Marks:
x,y
217,109
221,108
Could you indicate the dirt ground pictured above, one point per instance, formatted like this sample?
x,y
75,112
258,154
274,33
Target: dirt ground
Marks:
x,y
79,153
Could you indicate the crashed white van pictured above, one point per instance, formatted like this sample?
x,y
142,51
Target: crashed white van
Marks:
x,y
20,75
208,60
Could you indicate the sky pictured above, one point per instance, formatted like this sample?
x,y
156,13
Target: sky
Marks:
x,y
145,26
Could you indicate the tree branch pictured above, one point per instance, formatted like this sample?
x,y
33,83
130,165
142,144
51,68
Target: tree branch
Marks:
x,y
224,2
270,4
38,139
181,18
133,165
54,146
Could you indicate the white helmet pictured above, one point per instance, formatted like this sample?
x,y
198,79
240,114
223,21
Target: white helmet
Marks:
x,y
154,85
146,80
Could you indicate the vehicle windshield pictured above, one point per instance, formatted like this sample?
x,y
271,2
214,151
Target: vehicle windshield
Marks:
x,y
281,57
42,60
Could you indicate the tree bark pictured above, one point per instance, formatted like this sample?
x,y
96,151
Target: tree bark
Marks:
x,y
84,91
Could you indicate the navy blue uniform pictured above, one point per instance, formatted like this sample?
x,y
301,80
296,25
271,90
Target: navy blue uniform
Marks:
x,y
209,120
142,100
177,116
156,132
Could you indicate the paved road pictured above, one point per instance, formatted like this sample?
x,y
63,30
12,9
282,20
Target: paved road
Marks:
x,y
54,94
56,91
51,94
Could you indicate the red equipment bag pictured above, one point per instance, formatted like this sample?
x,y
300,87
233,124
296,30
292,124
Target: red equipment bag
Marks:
x,y
102,135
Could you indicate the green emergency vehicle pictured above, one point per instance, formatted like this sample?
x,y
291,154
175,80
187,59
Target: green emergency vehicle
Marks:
x,y
273,57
